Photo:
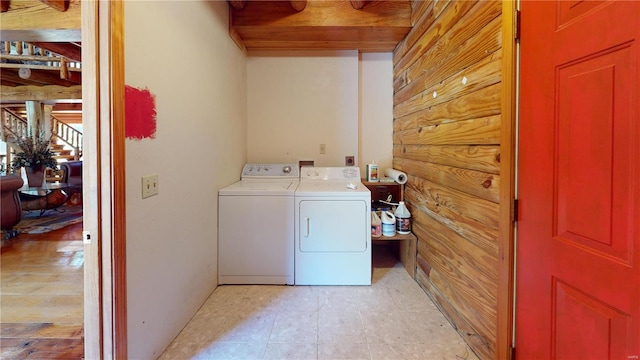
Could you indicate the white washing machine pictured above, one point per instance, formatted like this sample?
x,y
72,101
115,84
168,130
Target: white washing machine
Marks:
x,y
256,226
332,227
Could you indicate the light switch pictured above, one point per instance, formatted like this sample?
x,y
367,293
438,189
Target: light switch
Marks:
x,y
323,148
150,185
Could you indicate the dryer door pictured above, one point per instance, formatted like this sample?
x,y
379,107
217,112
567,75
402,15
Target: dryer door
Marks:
x,y
333,226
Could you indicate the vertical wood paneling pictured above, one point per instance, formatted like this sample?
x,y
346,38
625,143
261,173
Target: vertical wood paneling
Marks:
x,y
448,129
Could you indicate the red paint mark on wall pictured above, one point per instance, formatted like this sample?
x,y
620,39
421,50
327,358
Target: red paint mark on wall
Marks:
x,y
140,113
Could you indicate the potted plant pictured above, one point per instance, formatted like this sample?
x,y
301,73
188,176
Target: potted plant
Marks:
x,y
34,155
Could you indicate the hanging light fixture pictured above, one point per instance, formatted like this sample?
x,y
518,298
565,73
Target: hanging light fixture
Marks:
x,y
24,73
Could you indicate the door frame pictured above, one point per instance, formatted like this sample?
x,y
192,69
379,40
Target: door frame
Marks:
x,y
508,176
104,217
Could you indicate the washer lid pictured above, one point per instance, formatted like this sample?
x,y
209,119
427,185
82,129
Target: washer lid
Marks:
x,y
332,188
270,171
261,188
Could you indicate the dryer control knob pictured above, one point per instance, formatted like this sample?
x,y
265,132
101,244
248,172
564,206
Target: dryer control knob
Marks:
x,y
286,169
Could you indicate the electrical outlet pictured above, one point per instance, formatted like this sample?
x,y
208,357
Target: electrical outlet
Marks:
x,y
349,160
323,148
150,185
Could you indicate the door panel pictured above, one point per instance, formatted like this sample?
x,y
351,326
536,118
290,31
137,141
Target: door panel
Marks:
x,y
593,146
586,327
578,273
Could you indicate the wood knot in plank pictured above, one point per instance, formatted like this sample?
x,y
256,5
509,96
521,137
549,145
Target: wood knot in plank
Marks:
x,y
486,184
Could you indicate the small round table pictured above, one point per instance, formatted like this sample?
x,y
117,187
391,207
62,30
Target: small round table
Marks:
x,y
49,196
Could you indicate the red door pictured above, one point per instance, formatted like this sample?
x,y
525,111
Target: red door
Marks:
x,y
578,257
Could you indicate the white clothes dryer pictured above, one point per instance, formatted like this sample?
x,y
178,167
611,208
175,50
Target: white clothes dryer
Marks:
x,y
332,227
255,226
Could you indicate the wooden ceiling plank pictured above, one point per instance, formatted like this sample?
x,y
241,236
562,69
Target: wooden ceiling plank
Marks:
x,y
321,45
39,93
43,77
9,82
72,51
322,25
329,33
47,35
60,106
238,4
324,13
33,15
34,80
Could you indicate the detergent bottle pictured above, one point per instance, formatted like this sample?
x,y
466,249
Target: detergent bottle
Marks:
x,y
388,223
403,219
376,225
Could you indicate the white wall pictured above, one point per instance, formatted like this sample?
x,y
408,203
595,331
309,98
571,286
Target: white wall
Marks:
x,y
376,111
181,52
298,100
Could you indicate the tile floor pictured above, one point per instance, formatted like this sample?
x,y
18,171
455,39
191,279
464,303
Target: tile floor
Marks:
x,y
391,319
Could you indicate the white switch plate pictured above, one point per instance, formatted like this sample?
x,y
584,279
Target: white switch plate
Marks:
x,y
150,185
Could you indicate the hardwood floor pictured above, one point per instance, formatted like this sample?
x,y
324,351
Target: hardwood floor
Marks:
x,y
41,296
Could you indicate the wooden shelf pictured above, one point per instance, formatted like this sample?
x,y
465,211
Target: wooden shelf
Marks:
x,y
380,190
406,243
406,249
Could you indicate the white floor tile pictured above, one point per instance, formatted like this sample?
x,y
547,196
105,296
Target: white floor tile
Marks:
x,y
391,319
297,351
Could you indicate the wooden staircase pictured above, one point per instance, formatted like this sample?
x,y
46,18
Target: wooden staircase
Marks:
x,y
66,142
61,153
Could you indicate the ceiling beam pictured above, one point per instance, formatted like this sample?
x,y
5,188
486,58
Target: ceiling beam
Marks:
x,y
40,77
60,5
298,5
322,25
358,4
31,20
324,13
39,93
61,106
238,4
72,51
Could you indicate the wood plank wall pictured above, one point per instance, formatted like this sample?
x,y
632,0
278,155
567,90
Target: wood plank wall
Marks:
x,y
446,136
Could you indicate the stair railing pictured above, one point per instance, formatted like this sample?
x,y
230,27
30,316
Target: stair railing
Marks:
x,y
15,126
68,135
